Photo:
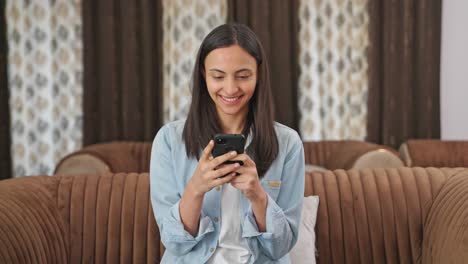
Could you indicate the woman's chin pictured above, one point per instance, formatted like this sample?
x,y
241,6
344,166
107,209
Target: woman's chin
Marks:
x,y
232,111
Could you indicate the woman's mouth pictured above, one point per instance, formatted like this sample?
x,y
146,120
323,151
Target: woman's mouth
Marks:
x,y
230,100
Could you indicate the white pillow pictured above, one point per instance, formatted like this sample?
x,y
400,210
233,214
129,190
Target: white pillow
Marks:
x,y
304,250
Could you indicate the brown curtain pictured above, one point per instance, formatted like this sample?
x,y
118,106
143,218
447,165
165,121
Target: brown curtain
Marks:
x,y
122,70
404,63
276,24
5,157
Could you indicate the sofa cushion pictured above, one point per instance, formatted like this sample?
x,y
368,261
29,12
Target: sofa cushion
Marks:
x,y
109,218
304,250
446,228
31,230
374,215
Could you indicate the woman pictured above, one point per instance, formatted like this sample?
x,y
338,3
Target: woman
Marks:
x,y
252,214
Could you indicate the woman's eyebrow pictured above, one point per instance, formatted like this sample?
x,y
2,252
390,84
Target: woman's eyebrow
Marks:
x,y
216,70
243,70
238,71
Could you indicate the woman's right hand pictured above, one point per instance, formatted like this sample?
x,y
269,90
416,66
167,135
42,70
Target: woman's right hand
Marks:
x,y
210,171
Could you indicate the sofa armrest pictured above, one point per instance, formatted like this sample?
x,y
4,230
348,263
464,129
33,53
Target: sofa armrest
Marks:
x,y
362,155
116,156
446,228
30,226
435,153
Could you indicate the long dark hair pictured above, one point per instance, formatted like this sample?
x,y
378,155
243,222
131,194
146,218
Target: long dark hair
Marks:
x,y
203,123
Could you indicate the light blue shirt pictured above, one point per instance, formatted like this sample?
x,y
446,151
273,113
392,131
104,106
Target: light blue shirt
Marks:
x,y
170,172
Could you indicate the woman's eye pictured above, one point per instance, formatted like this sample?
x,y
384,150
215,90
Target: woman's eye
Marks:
x,y
217,77
244,77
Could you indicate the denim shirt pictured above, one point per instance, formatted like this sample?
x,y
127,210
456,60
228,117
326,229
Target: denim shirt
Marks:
x,y
170,172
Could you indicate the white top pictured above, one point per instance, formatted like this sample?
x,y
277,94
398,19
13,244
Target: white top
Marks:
x,y
232,248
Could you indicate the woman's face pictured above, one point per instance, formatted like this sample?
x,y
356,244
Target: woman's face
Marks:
x,y
231,77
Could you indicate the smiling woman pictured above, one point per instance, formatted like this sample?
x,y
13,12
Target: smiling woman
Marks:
x,y
228,213
231,80
227,55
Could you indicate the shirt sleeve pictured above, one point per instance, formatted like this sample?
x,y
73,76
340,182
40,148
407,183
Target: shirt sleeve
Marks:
x,y
283,216
165,200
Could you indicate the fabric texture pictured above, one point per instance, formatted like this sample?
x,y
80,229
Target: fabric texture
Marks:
x,y
377,216
74,219
312,168
437,153
333,40
304,251
446,229
5,138
122,97
45,82
232,247
405,215
171,171
404,71
185,25
118,156
350,152
276,25
339,154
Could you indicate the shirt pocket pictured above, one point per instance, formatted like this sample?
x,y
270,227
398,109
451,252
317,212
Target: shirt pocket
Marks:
x,y
272,188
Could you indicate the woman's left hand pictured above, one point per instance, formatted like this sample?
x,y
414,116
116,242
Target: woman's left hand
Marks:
x,y
248,181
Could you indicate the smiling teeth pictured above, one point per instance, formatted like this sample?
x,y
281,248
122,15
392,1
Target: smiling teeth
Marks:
x,y
230,99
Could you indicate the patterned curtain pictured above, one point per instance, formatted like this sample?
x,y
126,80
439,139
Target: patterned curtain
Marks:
x,y
333,39
5,157
45,82
134,81
185,24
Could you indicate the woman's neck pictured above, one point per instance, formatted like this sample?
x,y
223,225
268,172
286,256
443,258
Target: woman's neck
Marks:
x,y
231,124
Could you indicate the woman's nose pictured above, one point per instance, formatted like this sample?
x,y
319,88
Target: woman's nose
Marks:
x,y
231,87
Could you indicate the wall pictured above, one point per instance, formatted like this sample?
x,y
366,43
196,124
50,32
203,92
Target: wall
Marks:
x,y
454,70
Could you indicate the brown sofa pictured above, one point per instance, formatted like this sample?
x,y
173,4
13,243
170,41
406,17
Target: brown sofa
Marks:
x,y
434,153
135,157
350,154
403,215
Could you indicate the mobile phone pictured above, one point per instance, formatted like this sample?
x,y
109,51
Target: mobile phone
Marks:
x,y
223,143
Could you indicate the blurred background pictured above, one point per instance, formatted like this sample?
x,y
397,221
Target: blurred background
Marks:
x,y
80,72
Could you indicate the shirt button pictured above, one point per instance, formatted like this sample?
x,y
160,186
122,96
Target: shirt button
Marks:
x,y
218,188
211,250
216,219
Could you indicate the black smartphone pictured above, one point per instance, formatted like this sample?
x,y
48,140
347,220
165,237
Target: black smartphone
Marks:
x,y
223,143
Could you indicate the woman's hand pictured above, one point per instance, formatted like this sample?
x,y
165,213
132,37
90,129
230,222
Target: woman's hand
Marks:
x,y
249,184
209,171
248,181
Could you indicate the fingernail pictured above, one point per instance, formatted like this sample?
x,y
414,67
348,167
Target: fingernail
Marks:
x,y
236,164
233,153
